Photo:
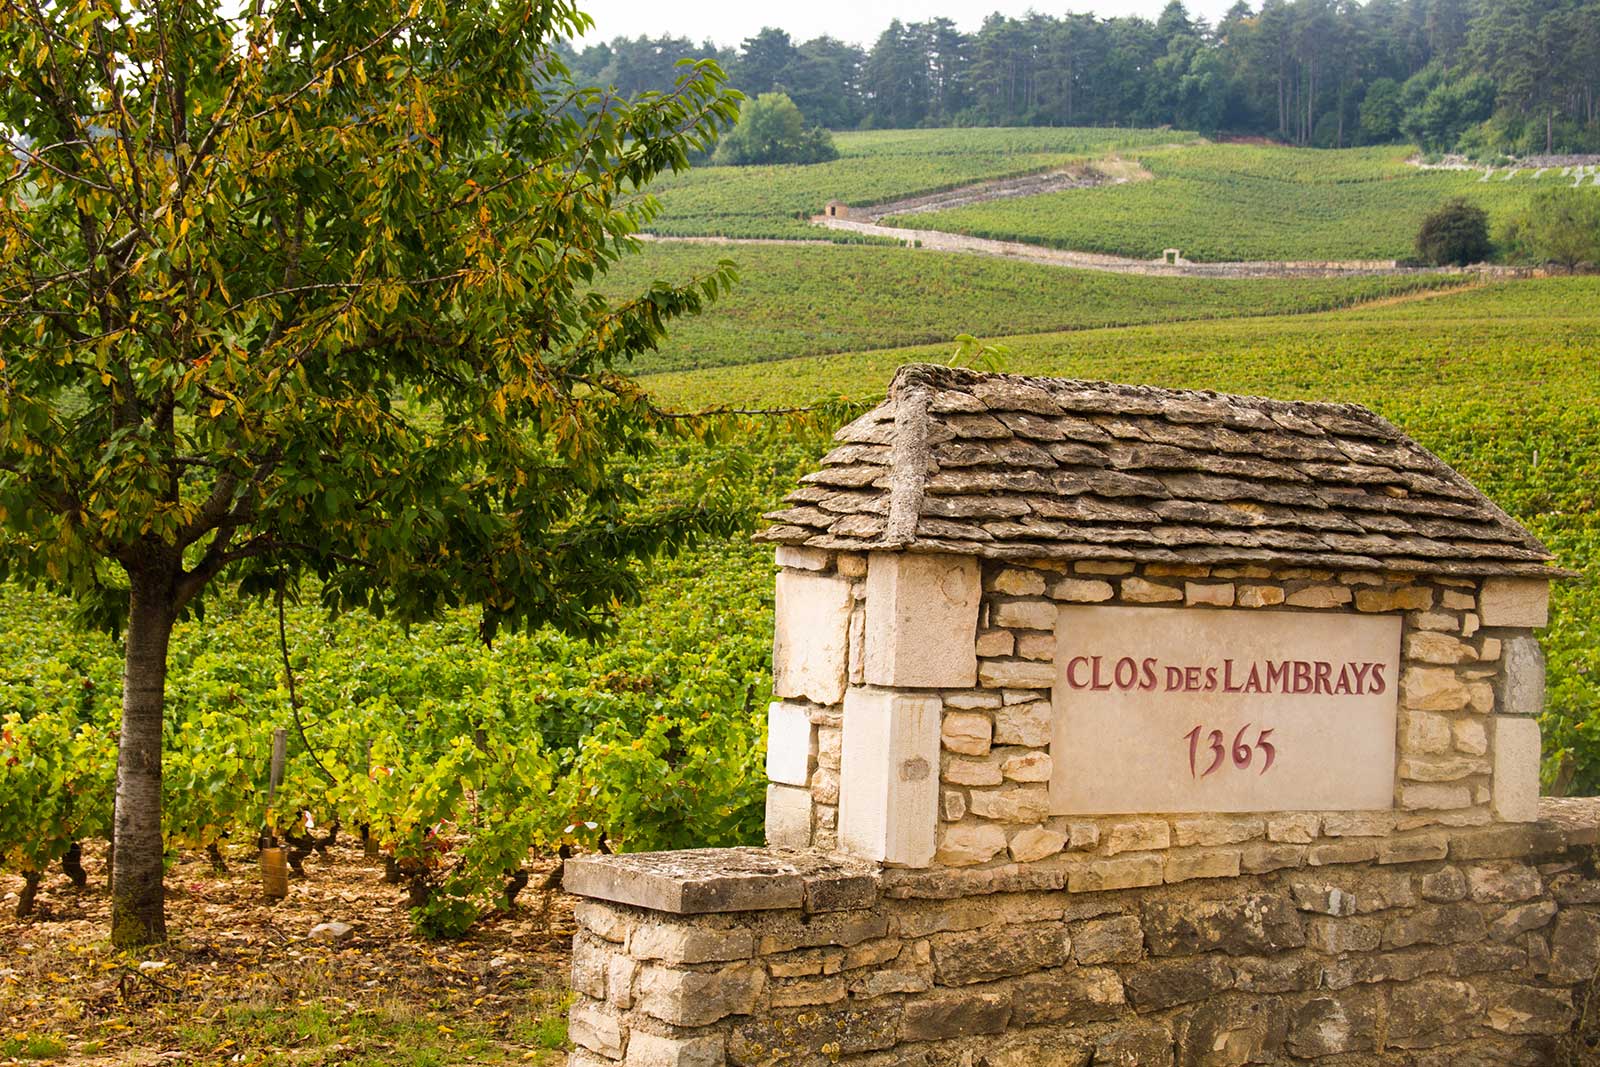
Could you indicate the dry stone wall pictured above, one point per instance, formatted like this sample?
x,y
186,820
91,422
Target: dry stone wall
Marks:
x,y
1479,952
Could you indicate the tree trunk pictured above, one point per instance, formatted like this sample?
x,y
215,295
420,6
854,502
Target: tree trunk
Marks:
x,y
138,914
30,889
72,866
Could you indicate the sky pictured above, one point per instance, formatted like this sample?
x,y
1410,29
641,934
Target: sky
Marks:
x,y
727,22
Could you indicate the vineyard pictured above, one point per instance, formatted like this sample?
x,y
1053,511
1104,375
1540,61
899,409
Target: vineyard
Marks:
x,y
1243,202
775,201
801,301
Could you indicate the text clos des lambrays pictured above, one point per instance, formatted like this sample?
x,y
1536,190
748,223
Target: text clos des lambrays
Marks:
x,y
1292,676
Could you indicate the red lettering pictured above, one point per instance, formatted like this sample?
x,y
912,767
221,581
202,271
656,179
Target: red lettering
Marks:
x,y
1228,684
1253,683
1098,684
1148,681
1191,679
1324,669
1174,679
1211,679
1072,671
1126,679
1278,675
1378,684
1302,677
1343,684
1361,677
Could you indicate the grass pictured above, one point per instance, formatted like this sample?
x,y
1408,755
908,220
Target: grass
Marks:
x,y
774,201
801,301
1244,202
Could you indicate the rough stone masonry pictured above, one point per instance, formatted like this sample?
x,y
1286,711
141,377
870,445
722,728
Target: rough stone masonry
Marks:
x,y
1119,725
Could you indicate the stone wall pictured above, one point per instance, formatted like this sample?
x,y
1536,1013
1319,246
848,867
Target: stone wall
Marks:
x,y
902,653
1478,952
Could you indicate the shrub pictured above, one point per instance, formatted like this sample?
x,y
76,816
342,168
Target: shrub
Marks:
x,y
1559,225
772,130
1456,233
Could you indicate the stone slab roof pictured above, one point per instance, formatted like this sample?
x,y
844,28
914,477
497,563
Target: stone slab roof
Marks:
x,y
1011,467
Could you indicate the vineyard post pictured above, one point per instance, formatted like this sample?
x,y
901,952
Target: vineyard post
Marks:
x,y
368,840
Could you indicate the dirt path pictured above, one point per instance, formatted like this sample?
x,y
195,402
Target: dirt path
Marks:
x,y
940,241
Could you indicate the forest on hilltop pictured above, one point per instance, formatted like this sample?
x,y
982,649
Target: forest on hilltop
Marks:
x,y
1481,76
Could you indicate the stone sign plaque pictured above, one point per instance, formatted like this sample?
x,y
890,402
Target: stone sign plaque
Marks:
x,y
1190,710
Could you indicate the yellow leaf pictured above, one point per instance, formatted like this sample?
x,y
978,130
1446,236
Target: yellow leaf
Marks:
x,y
217,406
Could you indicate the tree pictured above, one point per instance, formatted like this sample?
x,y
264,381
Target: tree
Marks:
x,y
1557,226
766,62
772,130
1456,233
304,291
1380,112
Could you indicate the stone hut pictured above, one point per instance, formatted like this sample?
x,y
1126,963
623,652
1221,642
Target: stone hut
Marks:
x,y
836,209
1121,725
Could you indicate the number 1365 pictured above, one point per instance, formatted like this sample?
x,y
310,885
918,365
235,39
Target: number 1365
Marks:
x,y
1242,752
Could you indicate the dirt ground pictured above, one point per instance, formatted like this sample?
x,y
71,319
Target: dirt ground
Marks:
x,y
241,980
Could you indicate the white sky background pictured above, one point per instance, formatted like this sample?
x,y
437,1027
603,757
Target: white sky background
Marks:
x,y
727,22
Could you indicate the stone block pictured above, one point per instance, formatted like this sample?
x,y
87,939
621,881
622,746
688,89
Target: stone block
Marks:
x,y
1444,886
889,776
807,992
1522,677
811,631
598,1029
791,744
1014,804
1141,1044
1347,850
601,920
1015,582
922,620
1186,864
1417,796
1514,922
1136,836
1260,858
1036,645
1424,733
1260,596
967,732
812,1035
1403,598
1115,940
1319,596
1024,724
1517,602
1117,872
1082,591
1525,1009
1158,984
1514,744
999,951
1035,843
1212,594
1016,674
789,811
1503,883
966,844
1433,689
1031,766
1074,995
1424,646
653,1050
1338,936
1575,947
973,772
956,1013
1024,614
1446,924
1471,736
1296,827
1442,768
699,998
1139,591
1329,1025
620,975
1433,1011
686,882
797,557
1259,923
1233,1033
590,959
992,643
1413,848
679,943
1218,829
